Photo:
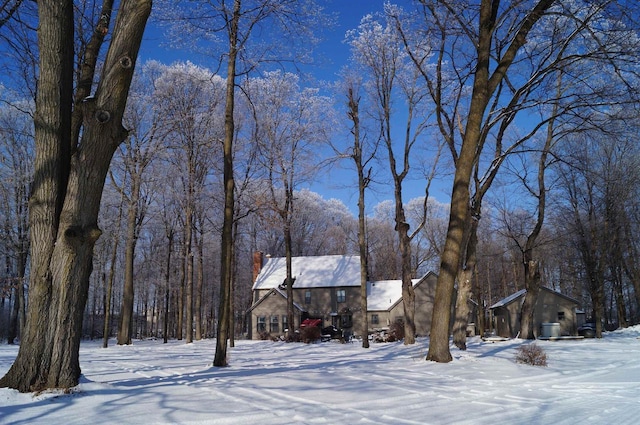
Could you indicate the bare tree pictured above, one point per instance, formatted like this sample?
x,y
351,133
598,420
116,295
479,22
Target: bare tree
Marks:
x,y
290,124
378,48
135,156
479,88
361,159
67,189
190,98
242,50
16,151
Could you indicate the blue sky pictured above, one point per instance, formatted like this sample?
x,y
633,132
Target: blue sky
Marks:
x,y
333,54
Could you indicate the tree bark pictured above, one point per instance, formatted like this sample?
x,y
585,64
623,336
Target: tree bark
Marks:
x,y
67,191
465,275
532,285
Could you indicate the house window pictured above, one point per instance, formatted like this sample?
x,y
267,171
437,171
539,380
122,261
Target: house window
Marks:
x,y
341,295
273,325
261,326
375,320
307,297
285,323
561,315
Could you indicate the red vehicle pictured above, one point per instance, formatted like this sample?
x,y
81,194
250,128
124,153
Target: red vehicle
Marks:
x,y
311,322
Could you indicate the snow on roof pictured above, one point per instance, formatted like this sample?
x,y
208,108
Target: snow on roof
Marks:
x,y
280,292
311,272
383,294
521,292
509,299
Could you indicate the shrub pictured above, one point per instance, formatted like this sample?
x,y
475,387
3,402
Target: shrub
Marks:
x,y
396,331
310,334
531,354
264,335
292,337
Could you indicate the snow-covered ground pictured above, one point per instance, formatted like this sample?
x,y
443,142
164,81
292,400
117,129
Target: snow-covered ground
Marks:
x,y
586,382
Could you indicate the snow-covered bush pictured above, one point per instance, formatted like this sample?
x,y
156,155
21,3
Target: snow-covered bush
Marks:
x,y
531,354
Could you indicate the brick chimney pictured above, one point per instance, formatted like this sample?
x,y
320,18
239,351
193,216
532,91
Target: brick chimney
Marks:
x,y
257,264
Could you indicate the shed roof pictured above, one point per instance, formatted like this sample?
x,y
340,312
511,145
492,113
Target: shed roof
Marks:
x,y
511,298
311,272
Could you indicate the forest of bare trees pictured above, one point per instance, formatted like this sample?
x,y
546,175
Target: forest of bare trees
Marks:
x,y
524,116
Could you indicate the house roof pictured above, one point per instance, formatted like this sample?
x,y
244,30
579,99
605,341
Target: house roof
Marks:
x,y
274,291
311,272
384,294
511,298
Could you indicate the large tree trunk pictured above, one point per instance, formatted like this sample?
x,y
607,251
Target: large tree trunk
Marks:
x,y
484,85
465,274
450,259
532,285
67,191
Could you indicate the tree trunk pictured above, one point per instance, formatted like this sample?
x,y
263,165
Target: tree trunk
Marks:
x,y
362,241
181,293
289,279
199,287
67,191
167,292
450,259
232,299
189,272
408,293
532,285
106,330
484,85
18,314
126,309
226,250
465,275
109,288
15,312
